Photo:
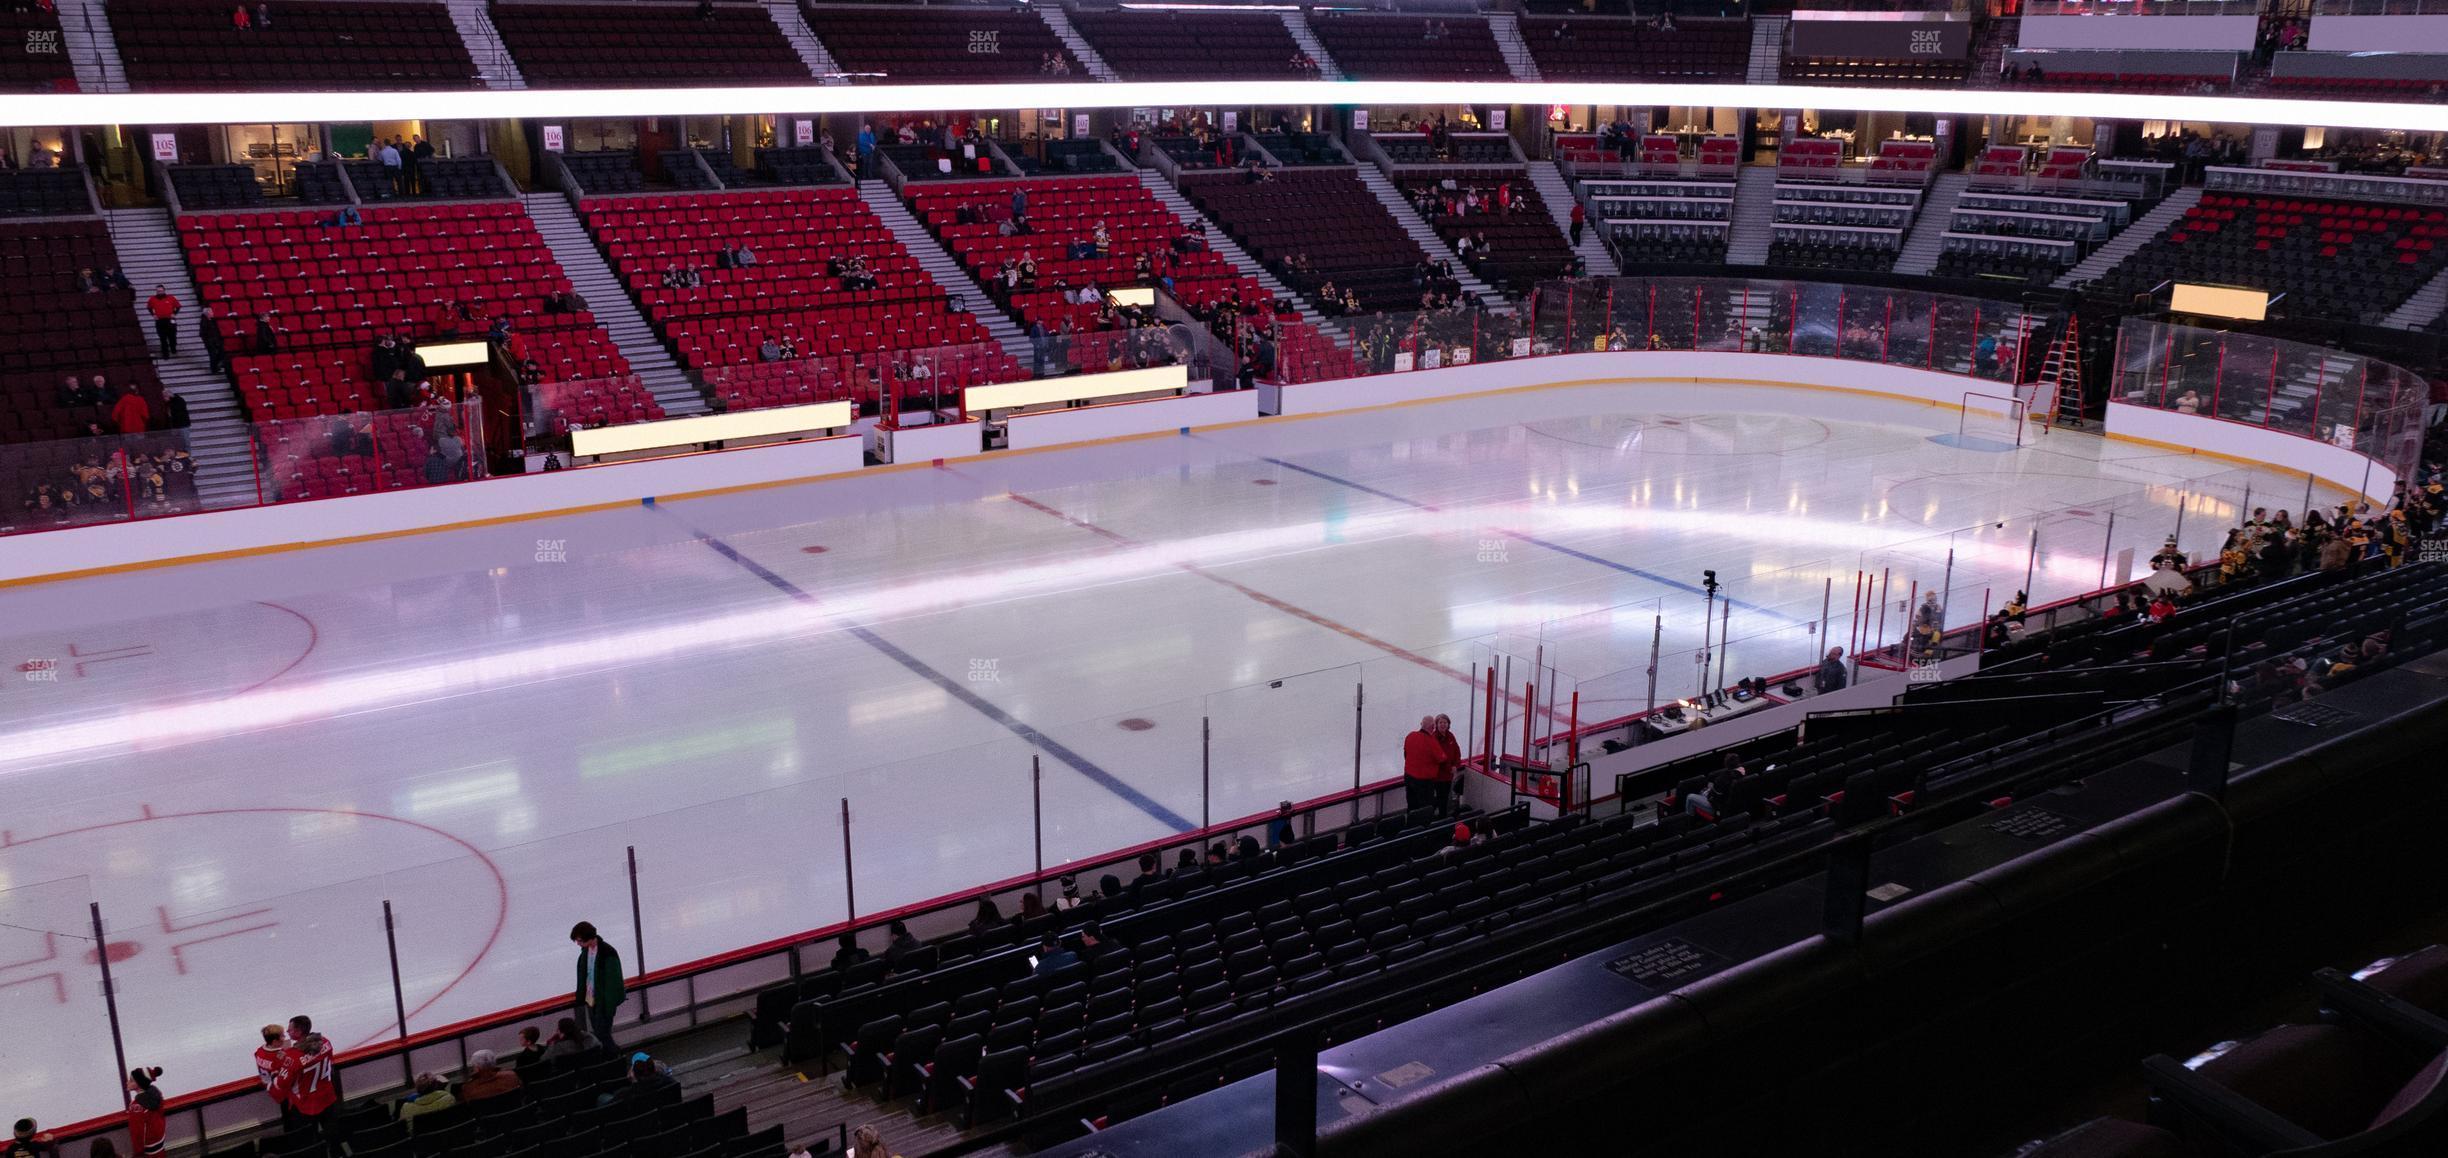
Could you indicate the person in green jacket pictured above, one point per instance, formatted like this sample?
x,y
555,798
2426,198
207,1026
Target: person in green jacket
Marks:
x,y
601,985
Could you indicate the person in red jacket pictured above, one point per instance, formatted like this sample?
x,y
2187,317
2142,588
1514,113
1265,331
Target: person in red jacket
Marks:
x,y
147,1128
131,414
1452,747
311,1092
272,1069
1425,771
165,310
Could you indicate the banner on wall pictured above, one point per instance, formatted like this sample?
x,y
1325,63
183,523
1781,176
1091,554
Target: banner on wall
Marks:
x,y
552,138
165,147
1881,35
803,132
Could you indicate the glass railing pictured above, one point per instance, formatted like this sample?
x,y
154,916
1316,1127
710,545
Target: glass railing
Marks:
x,y
2317,392
80,482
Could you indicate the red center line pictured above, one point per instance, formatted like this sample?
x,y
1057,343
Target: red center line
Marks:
x,y
1301,613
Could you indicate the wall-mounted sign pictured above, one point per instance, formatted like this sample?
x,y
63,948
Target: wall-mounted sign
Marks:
x,y
165,147
552,138
803,132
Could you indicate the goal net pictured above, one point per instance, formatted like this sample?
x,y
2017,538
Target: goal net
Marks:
x,y
1990,422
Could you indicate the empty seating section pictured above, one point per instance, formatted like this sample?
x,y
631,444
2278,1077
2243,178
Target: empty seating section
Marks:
x,y
1189,152
52,329
2345,260
599,173
319,183
1931,70
792,292
431,272
1669,221
184,46
1465,149
460,177
1522,245
215,186
1807,157
1369,47
681,171
2000,164
1178,45
1864,249
42,193
1324,216
796,165
1622,49
36,59
1302,148
630,45
1064,214
1078,156
937,163
921,43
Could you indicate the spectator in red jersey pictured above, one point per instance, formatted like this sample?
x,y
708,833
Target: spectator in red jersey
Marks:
x,y
1425,773
165,310
146,1126
311,1092
1453,757
241,19
131,414
272,1069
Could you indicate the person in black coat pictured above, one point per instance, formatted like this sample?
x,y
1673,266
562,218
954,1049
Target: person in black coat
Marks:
x,y
602,987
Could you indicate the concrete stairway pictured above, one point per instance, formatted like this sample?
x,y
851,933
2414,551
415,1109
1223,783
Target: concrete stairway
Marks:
x,y
484,45
609,300
1923,242
1754,216
1060,21
1767,50
946,269
217,434
812,52
2135,236
2424,307
1419,229
1507,27
85,35
1305,36
1558,194
1222,243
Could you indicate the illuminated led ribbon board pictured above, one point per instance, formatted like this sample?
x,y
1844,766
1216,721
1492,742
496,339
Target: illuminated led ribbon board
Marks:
x,y
1079,388
212,108
678,432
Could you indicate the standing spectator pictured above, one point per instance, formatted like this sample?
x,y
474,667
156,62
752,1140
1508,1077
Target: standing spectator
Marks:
x,y
392,163
27,1141
241,18
419,153
601,987
131,414
208,335
311,1092
147,1128
1831,674
1424,770
1279,830
431,1095
1580,221
1452,748
486,1078
165,311
272,1069
1019,202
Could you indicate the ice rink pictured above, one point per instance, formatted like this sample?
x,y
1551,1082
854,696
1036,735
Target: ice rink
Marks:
x,y
241,761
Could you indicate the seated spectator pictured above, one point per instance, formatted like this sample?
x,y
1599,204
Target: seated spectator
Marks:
x,y
647,1077
1052,958
431,1095
531,1046
846,952
899,943
571,1040
87,283
769,350
29,1142
1070,898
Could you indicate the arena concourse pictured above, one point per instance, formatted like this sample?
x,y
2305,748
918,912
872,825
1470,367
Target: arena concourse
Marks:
x,y
654,579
